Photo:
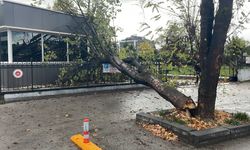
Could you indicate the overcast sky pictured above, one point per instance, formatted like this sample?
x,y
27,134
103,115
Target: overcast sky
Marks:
x,y
132,16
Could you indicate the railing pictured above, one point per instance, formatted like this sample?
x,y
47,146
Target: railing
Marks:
x,y
37,76
31,76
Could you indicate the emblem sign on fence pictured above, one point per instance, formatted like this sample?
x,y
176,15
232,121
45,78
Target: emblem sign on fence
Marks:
x,y
108,68
18,73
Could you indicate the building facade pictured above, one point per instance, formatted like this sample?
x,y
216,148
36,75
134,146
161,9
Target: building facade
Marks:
x,y
131,42
36,44
35,34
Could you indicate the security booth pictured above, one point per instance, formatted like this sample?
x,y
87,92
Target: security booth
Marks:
x,y
243,73
39,50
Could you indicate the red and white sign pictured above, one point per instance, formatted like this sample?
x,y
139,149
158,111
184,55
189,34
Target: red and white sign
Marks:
x,y
18,73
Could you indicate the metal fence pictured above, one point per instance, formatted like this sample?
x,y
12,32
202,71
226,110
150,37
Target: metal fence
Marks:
x,y
31,76
36,76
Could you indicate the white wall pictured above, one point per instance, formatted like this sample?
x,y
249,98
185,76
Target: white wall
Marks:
x,y
244,74
248,60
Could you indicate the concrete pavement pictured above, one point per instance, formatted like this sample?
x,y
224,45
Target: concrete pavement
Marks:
x,y
47,124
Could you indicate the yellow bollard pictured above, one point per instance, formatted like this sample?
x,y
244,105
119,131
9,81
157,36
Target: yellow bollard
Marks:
x,y
78,140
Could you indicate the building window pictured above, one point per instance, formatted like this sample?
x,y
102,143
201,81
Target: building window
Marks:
x,y
26,47
3,47
55,48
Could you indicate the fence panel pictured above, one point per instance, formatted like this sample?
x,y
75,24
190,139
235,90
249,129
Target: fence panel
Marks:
x,y
44,76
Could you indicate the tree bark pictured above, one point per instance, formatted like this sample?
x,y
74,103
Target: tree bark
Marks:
x,y
213,37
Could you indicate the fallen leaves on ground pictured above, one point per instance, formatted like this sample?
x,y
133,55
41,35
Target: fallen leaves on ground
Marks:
x,y
196,122
160,131
183,118
221,116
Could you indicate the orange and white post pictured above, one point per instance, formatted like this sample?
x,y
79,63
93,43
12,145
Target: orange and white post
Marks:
x,y
86,130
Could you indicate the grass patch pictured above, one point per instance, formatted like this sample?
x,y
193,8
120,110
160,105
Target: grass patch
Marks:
x,y
179,121
226,71
237,119
241,116
189,70
232,122
184,70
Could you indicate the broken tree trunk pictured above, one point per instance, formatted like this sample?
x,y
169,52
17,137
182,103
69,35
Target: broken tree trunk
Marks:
x,y
142,76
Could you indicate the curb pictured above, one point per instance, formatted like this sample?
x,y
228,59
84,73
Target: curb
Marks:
x,y
15,97
198,138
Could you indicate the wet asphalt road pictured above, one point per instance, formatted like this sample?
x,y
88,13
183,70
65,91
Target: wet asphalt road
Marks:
x,y
48,124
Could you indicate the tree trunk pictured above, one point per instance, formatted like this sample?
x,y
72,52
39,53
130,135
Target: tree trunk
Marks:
x,y
213,37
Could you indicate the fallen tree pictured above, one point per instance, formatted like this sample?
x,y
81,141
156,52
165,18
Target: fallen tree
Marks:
x,y
93,19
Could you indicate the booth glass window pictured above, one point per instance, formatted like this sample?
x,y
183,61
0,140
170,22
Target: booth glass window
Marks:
x,y
3,47
55,48
26,47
